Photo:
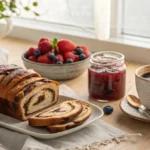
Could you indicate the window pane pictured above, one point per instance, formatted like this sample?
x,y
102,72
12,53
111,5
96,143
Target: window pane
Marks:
x,y
136,17
73,12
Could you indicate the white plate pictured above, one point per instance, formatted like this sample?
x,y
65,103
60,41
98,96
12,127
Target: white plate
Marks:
x,y
42,133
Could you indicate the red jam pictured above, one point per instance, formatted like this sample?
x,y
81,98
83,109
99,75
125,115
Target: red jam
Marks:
x,y
107,74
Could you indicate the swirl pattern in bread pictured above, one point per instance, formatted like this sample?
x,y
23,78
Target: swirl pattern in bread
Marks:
x,y
58,114
73,122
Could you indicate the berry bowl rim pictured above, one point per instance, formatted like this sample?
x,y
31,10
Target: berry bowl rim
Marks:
x,y
42,64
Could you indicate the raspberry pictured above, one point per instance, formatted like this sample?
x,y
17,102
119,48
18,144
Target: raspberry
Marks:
x,y
76,58
69,55
32,58
86,51
60,57
66,46
45,47
31,51
44,59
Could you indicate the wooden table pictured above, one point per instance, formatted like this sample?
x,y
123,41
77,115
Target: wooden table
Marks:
x,y
80,85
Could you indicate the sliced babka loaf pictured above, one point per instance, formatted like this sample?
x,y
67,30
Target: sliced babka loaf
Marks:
x,y
83,116
58,114
24,92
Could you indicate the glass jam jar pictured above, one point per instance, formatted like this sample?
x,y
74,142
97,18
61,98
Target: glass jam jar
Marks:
x,y
107,76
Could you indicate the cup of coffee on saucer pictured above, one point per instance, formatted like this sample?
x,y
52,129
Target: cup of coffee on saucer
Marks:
x,y
142,78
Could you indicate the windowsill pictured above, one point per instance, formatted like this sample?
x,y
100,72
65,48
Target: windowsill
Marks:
x,y
131,41
46,28
134,49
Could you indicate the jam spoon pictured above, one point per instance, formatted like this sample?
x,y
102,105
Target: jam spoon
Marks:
x,y
135,102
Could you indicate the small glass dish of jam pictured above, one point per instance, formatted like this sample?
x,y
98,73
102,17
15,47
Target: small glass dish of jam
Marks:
x,y
107,76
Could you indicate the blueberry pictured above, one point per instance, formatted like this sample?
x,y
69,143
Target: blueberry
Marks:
x,y
69,60
79,50
59,62
108,110
37,53
51,55
25,55
55,59
82,57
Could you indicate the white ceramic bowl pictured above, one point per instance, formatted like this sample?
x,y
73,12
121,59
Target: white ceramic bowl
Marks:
x,y
57,71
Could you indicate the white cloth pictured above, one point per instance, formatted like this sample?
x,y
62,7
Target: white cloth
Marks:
x,y
97,132
102,10
3,56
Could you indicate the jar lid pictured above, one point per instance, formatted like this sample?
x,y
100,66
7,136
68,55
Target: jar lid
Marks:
x,y
106,58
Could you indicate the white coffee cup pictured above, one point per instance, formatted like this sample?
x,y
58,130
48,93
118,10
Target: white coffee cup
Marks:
x,y
143,85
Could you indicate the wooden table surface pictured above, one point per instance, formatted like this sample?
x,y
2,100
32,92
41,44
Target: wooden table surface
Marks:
x,y
80,85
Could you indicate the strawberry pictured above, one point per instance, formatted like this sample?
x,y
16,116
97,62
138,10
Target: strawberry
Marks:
x,y
69,55
86,51
42,39
76,58
65,46
45,47
60,57
44,59
32,58
31,51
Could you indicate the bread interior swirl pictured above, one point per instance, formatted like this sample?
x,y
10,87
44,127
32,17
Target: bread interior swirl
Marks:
x,y
38,98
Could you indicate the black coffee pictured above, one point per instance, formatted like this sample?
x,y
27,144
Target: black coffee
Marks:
x,y
146,75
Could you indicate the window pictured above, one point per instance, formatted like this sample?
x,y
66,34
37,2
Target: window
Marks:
x,y
136,18
78,13
87,18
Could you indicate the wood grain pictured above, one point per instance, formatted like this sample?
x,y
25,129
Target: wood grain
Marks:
x,y
80,85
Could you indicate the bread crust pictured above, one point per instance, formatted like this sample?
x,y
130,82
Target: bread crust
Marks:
x,y
20,78
2,77
12,93
6,80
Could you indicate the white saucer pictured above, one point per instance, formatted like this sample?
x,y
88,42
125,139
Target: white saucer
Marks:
x,y
133,112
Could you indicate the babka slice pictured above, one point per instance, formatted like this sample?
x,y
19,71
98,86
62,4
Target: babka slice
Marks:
x,y
57,114
83,116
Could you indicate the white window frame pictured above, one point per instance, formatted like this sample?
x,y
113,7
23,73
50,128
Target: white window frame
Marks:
x,y
116,24
125,44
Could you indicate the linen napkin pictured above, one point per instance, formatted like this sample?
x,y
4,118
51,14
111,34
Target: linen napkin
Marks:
x,y
89,138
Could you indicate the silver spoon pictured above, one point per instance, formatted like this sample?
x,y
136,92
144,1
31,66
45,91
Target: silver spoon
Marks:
x,y
135,102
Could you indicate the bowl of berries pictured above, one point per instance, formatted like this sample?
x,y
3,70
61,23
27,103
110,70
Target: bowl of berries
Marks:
x,y
57,59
